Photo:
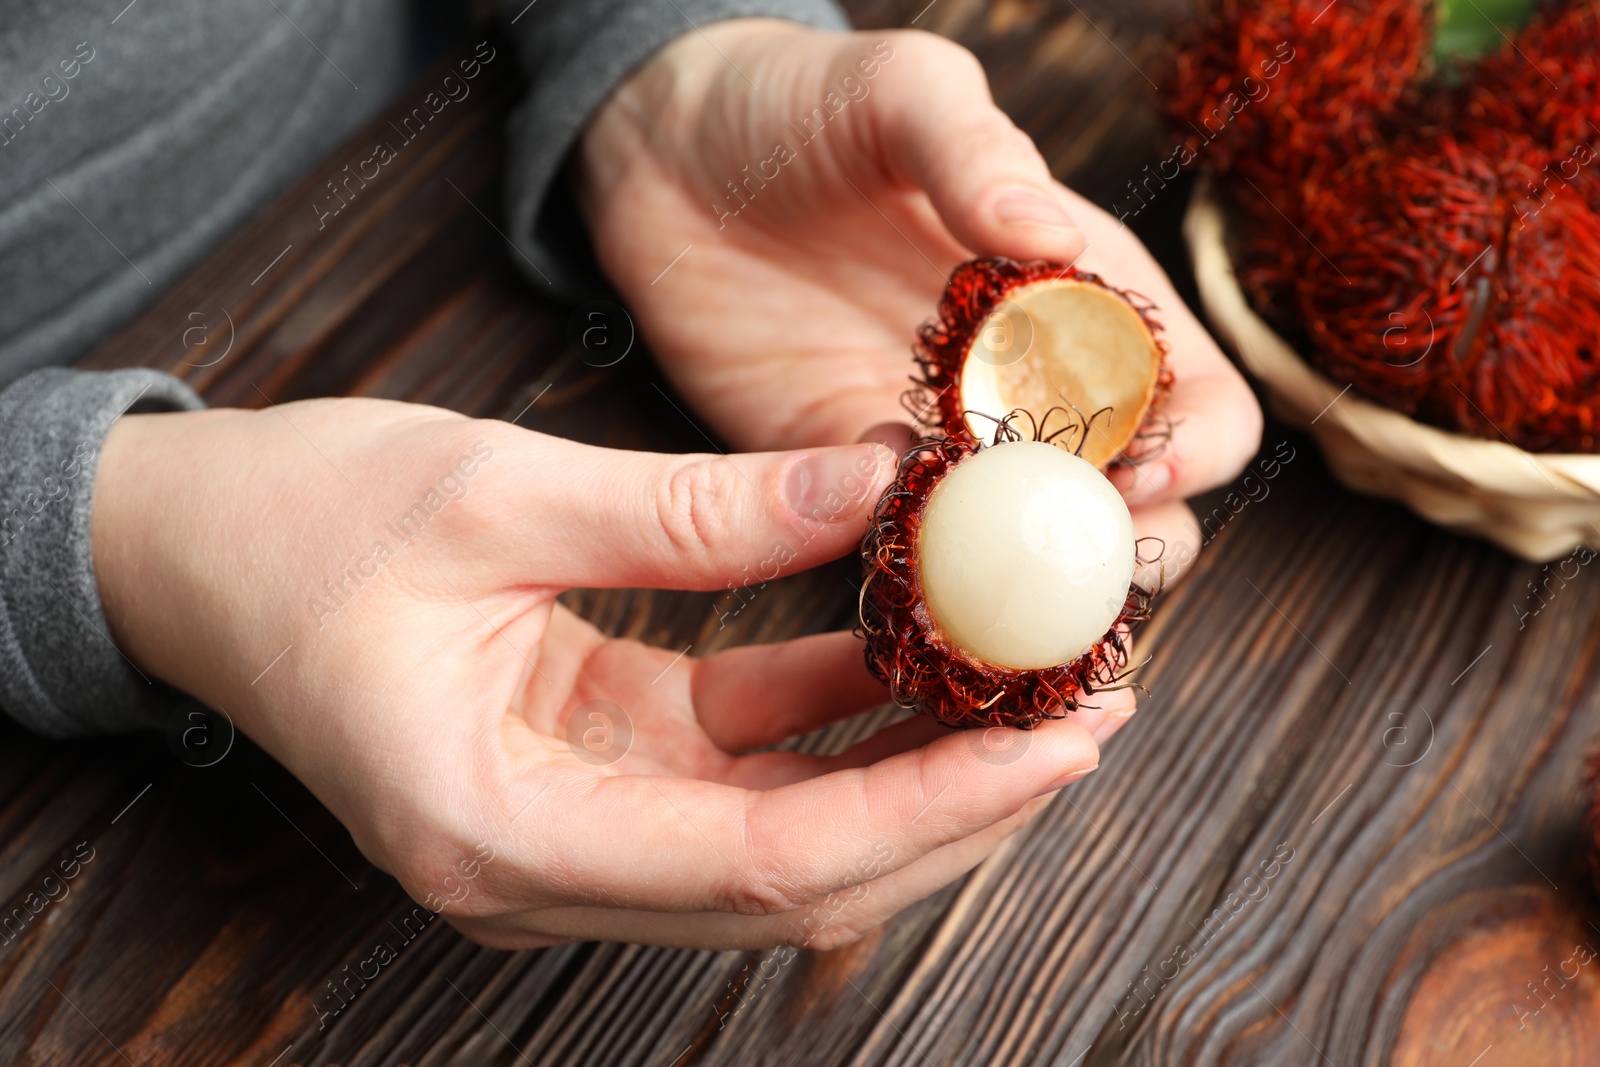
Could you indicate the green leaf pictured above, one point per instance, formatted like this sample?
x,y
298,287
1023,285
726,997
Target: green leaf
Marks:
x,y
1471,29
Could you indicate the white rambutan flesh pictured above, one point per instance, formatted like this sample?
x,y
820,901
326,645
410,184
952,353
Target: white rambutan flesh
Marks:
x,y
1025,555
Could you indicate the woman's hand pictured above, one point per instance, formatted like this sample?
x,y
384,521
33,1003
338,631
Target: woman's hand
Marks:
x,y
369,590
780,207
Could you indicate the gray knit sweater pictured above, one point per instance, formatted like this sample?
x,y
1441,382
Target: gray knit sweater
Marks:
x,y
132,140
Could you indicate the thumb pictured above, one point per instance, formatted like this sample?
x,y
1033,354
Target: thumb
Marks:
x,y
942,131
615,519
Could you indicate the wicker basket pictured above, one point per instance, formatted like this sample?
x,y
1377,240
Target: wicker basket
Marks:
x,y
1539,506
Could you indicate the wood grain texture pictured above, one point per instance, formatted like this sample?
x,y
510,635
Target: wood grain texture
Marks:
x,y
1344,829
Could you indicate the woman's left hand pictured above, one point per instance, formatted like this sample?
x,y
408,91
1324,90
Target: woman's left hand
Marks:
x,y
780,207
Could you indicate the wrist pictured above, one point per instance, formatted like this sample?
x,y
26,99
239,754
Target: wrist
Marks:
x,y
143,487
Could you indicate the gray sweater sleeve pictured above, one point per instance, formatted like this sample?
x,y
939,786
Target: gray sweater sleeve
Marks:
x,y
575,53
60,673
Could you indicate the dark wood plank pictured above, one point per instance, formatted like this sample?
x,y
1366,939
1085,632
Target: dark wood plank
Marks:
x,y
1352,795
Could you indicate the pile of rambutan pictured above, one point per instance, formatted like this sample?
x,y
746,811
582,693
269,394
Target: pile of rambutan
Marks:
x,y
1426,222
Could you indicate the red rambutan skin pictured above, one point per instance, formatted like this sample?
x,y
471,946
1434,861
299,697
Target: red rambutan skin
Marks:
x,y
976,289
1430,278
1547,82
1355,71
1343,73
906,649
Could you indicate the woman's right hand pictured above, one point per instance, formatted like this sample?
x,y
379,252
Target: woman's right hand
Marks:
x,y
368,589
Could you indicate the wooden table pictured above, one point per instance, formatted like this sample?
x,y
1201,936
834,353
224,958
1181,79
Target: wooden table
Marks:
x,y
1345,828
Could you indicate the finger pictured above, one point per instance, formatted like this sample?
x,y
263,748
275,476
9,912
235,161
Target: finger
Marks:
x,y
605,518
677,844
1117,709
760,694
1214,418
1106,712
895,435
940,130
771,770
1102,714
1172,528
766,693
1215,431
828,923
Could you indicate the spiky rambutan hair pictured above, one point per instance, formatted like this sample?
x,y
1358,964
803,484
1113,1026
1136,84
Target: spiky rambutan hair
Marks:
x,y
1435,280
1546,81
1272,88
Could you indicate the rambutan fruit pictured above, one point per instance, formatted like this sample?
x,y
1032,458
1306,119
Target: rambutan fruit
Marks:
x,y
1276,93
1387,272
1546,81
1034,336
998,586
1278,89
998,570
1433,283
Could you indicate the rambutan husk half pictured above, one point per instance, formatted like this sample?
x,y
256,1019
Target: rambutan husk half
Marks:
x,y
907,650
1013,336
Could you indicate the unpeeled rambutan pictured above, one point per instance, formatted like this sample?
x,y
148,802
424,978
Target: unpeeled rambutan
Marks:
x,y
1277,93
910,647
1546,81
1431,281
1278,89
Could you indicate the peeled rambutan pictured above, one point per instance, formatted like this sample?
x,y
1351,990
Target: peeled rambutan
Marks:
x,y
985,567
1034,336
1430,280
998,571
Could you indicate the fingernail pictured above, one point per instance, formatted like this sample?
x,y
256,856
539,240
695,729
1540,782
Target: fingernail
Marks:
x,y
895,435
832,486
1067,779
1140,484
1032,206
